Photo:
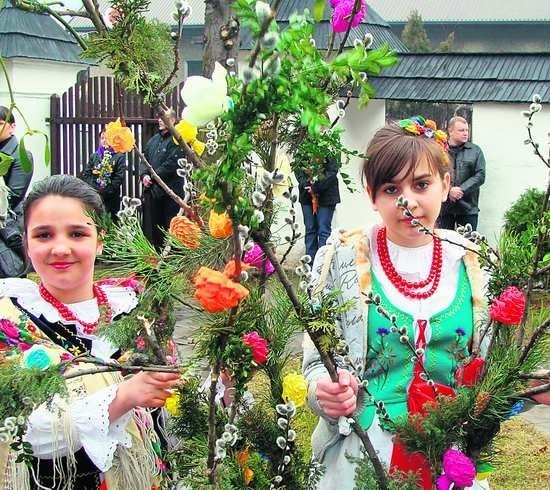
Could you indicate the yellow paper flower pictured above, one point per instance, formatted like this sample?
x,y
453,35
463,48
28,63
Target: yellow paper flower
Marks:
x,y
172,404
188,132
120,138
220,225
295,389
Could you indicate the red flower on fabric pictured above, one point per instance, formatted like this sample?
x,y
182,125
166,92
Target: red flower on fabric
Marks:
x,y
469,374
422,396
9,328
508,308
258,345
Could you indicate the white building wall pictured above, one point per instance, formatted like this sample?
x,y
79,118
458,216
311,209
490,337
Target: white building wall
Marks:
x,y
500,130
33,82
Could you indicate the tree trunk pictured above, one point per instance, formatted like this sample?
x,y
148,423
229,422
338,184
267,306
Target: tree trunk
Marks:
x,y
221,36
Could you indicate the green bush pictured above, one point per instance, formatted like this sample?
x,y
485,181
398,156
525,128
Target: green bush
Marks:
x,y
525,211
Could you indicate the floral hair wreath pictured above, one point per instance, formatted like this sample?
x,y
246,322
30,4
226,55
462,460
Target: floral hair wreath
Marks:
x,y
421,126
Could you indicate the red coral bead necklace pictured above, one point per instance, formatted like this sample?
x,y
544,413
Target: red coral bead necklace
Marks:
x,y
68,315
408,288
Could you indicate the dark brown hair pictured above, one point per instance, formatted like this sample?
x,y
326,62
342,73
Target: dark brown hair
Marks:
x,y
64,186
392,149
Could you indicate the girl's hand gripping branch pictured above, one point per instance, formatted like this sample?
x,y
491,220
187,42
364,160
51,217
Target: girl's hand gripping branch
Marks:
x,y
337,399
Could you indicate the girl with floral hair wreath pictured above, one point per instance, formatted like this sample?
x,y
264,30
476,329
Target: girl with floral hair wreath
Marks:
x,y
102,434
430,287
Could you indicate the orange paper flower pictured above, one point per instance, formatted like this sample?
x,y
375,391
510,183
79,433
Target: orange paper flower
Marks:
x,y
216,292
230,269
185,231
120,138
220,225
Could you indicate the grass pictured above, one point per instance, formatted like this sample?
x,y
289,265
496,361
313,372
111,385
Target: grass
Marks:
x,y
524,457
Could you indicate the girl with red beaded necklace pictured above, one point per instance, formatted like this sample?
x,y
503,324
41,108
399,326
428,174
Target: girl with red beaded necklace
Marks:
x,y
98,435
428,284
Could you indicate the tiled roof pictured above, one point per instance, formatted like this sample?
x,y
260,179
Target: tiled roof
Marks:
x,y
466,78
36,36
373,23
464,10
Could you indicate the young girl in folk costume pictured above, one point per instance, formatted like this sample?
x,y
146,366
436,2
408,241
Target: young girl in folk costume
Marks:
x,y
433,287
102,435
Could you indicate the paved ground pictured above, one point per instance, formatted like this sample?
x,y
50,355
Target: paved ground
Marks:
x,y
538,415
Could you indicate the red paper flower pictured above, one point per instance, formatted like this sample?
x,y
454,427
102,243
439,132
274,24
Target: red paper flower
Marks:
x,y
508,308
469,374
258,345
422,396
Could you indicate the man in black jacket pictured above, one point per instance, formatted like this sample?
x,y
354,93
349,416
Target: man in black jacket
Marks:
x,y
468,176
17,181
318,198
158,208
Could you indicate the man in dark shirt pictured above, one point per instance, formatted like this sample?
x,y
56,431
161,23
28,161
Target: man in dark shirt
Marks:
x,y
11,235
318,198
467,177
159,208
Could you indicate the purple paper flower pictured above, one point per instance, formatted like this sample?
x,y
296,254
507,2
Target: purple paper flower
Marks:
x,y
458,469
341,14
256,257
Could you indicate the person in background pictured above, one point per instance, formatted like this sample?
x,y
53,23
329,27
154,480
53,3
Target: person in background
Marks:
x,y
12,261
105,173
318,198
467,177
158,207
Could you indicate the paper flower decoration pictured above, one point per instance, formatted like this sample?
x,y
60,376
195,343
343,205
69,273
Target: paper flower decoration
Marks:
x,y
220,225
256,257
469,374
508,308
216,292
111,16
188,132
172,405
205,98
120,138
230,269
459,470
341,15
185,231
8,329
258,345
294,389
40,357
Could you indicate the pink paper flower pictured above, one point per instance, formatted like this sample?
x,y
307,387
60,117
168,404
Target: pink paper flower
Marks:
x,y
508,308
258,345
255,257
341,14
9,328
458,469
22,346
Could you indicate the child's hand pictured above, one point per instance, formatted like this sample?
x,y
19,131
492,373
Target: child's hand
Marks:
x,y
145,389
337,399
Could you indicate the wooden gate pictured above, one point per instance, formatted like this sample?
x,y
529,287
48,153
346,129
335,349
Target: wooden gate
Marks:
x,y
79,115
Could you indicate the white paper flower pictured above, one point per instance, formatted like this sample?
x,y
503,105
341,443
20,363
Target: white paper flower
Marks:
x,y
205,98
